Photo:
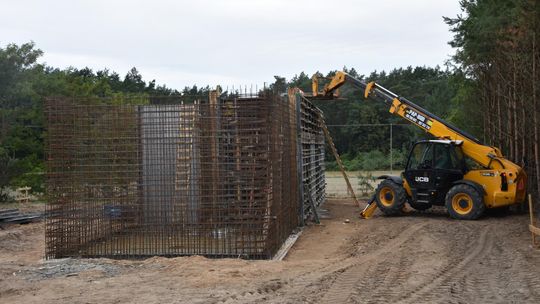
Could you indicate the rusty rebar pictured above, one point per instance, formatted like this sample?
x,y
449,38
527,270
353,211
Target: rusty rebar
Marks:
x,y
213,175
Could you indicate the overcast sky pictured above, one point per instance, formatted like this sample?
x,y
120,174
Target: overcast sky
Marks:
x,y
231,42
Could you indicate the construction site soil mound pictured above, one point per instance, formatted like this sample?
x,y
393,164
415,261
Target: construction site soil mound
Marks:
x,y
418,258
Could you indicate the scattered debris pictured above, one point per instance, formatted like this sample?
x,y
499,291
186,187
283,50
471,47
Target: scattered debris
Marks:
x,y
69,267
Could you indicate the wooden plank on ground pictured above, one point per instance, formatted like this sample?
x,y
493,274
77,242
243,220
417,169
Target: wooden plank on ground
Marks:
x,y
534,230
287,245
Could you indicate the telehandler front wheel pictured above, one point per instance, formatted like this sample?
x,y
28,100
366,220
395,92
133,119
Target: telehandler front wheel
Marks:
x,y
390,197
463,202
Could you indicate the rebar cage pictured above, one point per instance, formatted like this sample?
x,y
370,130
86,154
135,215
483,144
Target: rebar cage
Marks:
x,y
214,176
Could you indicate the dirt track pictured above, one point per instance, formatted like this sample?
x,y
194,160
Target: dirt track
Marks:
x,y
418,258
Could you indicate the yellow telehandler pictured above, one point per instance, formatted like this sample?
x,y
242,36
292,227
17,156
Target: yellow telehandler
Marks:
x,y
455,170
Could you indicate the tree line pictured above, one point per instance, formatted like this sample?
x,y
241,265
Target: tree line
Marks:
x,y
25,83
498,51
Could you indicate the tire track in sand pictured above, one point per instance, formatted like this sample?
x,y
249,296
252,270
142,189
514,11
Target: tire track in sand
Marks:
x,y
430,293
344,285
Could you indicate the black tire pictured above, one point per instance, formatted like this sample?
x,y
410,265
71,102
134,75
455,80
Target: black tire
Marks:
x,y
390,197
463,202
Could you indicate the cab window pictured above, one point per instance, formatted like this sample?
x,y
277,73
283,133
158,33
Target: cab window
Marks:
x,y
448,157
421,157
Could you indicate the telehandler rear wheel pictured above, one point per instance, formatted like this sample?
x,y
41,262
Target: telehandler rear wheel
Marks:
x,y
390,197
463,202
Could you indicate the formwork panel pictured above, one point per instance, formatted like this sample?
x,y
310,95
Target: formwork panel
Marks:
x,y
311,152
215,177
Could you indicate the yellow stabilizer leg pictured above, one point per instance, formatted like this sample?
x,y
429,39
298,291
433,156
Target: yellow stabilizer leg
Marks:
x,y
368,210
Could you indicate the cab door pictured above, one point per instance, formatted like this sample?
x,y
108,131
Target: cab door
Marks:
x,y
449,166
419,171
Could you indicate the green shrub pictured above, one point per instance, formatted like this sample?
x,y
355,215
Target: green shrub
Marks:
x,y
31,174
331,166
365,180
370,161
373,160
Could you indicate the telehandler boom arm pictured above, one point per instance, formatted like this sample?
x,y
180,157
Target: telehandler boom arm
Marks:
x,y
486,156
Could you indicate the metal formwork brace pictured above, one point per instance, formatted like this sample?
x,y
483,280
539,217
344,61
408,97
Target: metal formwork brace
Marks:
x,y
312,205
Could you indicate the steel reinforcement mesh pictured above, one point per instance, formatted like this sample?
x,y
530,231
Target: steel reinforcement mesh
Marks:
x,y
216,176
311,144
312,151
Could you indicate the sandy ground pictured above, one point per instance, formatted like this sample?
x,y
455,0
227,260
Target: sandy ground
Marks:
x,y
417,258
